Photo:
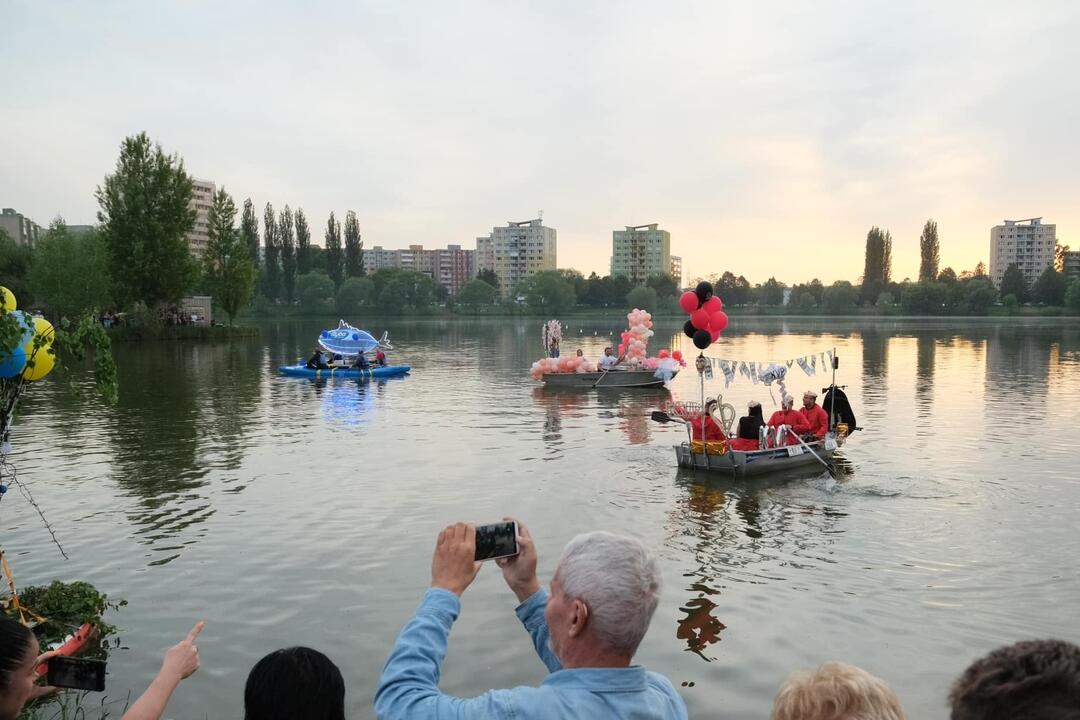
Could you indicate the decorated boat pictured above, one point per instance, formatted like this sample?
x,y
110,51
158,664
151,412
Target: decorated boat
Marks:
x,y
351,373
345,343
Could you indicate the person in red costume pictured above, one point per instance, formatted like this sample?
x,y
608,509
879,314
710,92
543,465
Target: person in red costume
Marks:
x,y
712,430
787,415
814,417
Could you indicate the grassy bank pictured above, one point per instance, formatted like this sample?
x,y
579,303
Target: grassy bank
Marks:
x,y
180,332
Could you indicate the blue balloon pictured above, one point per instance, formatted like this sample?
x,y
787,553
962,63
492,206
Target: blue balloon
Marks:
x,y
356,336
324,334
26,322
12,362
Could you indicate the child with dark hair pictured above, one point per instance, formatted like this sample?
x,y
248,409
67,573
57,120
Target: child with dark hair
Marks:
x,y
1032,680
295,682
19,659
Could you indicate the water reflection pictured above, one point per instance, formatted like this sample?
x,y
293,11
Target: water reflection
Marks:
x,y
925,356
630,407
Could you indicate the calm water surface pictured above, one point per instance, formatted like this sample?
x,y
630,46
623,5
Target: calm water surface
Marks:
x,y
288,512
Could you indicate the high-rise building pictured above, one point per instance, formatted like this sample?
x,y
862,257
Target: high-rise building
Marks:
x,y
516,252
417,259
202,198
20,228
451,267
1071,265
1029,243
454,267
640,251
377,258
676,269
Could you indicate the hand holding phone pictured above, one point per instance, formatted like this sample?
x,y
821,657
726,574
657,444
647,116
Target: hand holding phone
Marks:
x,y
496,541
76,673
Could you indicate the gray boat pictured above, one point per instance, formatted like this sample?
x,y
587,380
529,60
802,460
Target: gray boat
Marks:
x,y
609,379
753,462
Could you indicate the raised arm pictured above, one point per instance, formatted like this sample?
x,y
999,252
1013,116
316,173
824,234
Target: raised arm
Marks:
x,y
180,662
520,575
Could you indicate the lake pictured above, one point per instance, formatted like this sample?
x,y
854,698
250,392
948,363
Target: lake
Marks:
x,y
287,512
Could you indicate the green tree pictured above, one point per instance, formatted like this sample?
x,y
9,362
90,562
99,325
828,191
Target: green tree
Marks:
x,y
576,280
877,268
807,301
814,289
979,295
1012,283
1050,287
316,292
642,297
548,292
664,285
772,293
476,293
355,294
249,231
1060,252
303,244
70,273
924,298
354,247
271,275
1072,296
929,252
840,297
15,268
488,275
1011,303
334,266
980,269
288,254
947,276
145,211
227,265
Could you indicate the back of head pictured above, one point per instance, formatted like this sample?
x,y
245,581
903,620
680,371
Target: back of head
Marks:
x,y
295,682
1031,680
14,643
619,580
836,691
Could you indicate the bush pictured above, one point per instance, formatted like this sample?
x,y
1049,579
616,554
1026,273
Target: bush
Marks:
x,y
642,297
1072,296
1011,303
354,295
316,292
476,293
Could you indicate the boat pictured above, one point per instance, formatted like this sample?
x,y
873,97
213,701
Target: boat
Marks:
x,y
349,373
609,379
348,340
753,462
71,645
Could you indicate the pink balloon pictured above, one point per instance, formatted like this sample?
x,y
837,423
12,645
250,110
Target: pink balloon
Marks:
x,y
713,305
700,319
718,321
688,302
622,349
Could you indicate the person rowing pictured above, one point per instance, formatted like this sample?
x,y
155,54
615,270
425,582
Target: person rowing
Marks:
x,y
814,416
790,418
609,361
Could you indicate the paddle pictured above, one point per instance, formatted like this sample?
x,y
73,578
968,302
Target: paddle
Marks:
x,y
818,457
602,376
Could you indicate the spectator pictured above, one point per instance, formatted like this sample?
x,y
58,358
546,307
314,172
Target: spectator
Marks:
x,y
295,682
586,632
1031,680
19,660
836,691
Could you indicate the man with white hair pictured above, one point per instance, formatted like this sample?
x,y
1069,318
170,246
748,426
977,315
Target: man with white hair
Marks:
x,y
817,421
586,632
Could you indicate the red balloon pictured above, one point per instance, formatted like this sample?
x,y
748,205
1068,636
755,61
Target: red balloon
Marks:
x,y
712,305
688,302
622,349
714,334
718,321
700,319
677,354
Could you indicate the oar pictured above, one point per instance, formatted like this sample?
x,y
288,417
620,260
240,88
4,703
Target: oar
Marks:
x,y
602,376
803,443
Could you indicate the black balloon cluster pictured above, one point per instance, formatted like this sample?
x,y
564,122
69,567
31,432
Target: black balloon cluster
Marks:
x,y
707,316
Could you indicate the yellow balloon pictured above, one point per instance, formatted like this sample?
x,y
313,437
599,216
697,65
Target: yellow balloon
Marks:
x,y
8,300
42,358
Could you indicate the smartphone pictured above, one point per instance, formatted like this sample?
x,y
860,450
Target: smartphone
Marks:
x,y
496,541
76,673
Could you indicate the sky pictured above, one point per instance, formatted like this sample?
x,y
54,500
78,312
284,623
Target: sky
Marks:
x,y
767,137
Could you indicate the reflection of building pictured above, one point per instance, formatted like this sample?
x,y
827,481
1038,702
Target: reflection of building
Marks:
x,y
516,252
1030,246
640,251
202,198
1071,264
676,269
19,228
451,267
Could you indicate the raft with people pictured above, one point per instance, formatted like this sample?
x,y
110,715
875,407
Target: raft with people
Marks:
x,y
343,353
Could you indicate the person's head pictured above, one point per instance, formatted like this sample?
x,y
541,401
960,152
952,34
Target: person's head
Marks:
x,y
809,398
580,352
753,409
787,402
1034,680
293,683
836,691
18,651
607,351
603,596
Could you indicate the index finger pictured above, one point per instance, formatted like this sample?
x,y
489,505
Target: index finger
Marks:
x,y
45,656
195,631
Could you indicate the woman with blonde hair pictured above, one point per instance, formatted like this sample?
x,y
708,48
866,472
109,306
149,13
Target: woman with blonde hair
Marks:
x,y
836,691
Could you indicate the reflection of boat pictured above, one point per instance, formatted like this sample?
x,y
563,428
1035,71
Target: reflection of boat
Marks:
x,y
610,379
301,370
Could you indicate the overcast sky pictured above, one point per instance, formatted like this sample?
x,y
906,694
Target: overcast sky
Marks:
x,y
766,136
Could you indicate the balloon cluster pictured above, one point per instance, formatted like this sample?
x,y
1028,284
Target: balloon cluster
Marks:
x,y
707,316
636,338
32,356
569,364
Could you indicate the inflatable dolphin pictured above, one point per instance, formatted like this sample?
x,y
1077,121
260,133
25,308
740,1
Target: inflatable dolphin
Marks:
x,y
347,340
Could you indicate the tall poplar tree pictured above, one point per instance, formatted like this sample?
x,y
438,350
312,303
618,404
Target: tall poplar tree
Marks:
x,y
303,243
877,269
288,254
929,252
229,271
271,264
333,250
145,213
354,247
249,231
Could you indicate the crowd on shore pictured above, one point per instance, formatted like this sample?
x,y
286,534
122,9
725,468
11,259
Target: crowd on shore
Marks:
x,y
586,629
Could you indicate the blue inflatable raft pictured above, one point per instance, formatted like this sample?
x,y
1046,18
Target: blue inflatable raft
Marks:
x,y
348,373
